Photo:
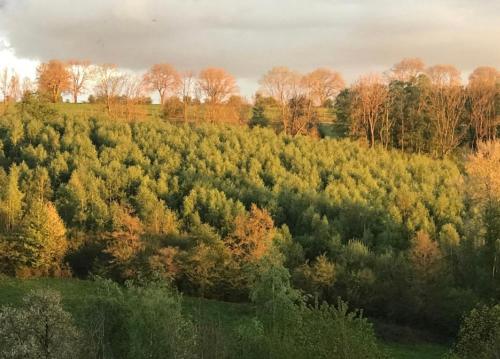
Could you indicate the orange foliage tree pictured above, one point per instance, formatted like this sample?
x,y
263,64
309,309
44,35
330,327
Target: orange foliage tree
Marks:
x,y
53,79
164,79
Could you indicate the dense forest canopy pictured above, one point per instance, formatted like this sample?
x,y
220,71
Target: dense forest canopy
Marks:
x,y
406,237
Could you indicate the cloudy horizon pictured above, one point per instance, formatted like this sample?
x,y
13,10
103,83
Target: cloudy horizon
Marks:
x,y
247,39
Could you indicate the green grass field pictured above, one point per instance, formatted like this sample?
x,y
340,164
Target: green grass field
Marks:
x,y
75,291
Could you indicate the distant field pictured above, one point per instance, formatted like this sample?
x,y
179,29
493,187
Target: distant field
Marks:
x,y
74,293
325,116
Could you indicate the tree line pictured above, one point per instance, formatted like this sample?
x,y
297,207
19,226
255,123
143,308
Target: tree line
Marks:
x,y
411,106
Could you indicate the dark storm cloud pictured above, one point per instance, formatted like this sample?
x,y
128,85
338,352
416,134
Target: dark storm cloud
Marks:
x,y
250,37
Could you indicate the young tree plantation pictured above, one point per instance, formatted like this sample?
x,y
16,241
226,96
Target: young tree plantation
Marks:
x,y
332,215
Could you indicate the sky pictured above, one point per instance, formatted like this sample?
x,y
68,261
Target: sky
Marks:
x,y
248,38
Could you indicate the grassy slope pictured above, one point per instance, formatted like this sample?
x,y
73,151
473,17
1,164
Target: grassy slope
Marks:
x,y
74,292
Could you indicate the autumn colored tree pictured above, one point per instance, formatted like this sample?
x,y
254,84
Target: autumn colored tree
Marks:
x,y
216,85
425,256
164,79
322,84
407,69
80,73
483,91
53,79
124,241
109,84
369,105
252,235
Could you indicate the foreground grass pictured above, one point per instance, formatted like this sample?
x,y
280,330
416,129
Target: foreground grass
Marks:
x,y
226,315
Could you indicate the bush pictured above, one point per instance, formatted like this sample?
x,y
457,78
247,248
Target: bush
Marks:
x,y
479,335
138,321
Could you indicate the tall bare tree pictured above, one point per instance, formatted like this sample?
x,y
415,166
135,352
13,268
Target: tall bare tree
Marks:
x,y
80,72
4,83
27,86
133,93
53,79
282,84
109,83
322,84
482,90
216,85
407,69
164,79
369,104
15,91
10,86
186,91
446,106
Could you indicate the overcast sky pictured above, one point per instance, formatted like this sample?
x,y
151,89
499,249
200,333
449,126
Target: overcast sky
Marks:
x,y
249,37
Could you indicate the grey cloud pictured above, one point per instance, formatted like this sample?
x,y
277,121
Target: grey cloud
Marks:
x,y
250,37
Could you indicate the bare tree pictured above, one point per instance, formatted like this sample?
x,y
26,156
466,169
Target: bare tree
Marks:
x,y
10,86
446,105
109,83
4,84
80,72
482,90
27,86
15,92
443,75
407,69
186,91
216,85
282,84
163,78
53,79
133,92
322,84
369,104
